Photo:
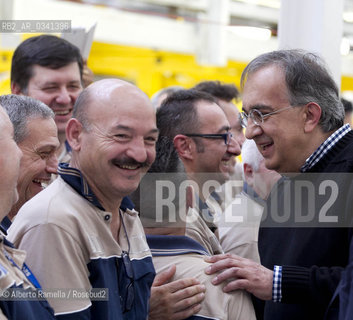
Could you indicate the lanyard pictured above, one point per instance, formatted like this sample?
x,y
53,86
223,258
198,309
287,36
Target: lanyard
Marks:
x,y
27,272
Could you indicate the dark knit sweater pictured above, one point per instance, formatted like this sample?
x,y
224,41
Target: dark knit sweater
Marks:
x,y
312,257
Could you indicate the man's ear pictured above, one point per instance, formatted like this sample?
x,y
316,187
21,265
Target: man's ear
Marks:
x,y
312,114
248,173
183,146
15,88
73,133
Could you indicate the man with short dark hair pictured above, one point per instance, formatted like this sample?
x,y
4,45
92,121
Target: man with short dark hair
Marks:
x,y
165,227
49,69
186,117
199,131
226,94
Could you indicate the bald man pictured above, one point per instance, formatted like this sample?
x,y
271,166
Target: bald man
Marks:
x,y
74,232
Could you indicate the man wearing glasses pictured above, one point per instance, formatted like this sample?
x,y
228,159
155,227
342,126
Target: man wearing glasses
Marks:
x,y
199,131
226,94
169,244
292,110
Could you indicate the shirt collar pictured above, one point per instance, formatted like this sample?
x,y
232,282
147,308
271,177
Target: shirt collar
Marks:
x,y
173,245
126,203
325,147
75,179
5,224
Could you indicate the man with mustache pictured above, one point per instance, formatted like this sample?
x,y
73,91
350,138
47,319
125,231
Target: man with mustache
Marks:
x,y
51,70
74,232
292,110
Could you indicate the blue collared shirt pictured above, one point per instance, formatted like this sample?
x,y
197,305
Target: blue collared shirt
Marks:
x,y
325,147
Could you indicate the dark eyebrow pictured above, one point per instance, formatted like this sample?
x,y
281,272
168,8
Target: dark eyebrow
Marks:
x,y
54,83
50,83
154,131
259,107
224,128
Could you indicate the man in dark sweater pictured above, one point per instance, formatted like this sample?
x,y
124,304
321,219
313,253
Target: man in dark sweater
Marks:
x,y
292,110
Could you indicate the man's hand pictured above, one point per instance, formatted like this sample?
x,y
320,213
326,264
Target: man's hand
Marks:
x,y
241,273
176,300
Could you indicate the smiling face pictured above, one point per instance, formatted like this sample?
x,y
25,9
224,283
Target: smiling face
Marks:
x,y
232,113
213,155
39,160
57,88
10,157
119,145
280,139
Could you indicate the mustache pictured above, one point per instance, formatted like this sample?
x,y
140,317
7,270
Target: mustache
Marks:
x,y
130,162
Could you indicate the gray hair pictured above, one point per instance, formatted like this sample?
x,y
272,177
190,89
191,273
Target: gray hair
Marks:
x,y
251,155
22,108
164,91
307,80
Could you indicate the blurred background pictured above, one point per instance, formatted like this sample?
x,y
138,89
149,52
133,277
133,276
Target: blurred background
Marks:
x,y
160,43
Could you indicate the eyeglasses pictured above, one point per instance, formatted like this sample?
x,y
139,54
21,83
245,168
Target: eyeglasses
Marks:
x,y
225,136
127,297
257,117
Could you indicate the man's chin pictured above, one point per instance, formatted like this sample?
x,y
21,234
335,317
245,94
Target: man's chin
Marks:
x,y
128,190
270,165
223,177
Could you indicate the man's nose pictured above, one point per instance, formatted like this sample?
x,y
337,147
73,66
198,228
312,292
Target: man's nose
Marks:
x,y
252,130
63,97
234,147
52,164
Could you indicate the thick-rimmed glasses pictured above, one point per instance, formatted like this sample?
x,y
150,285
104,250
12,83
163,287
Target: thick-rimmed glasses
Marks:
x,y
257,117
128,297
225,136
